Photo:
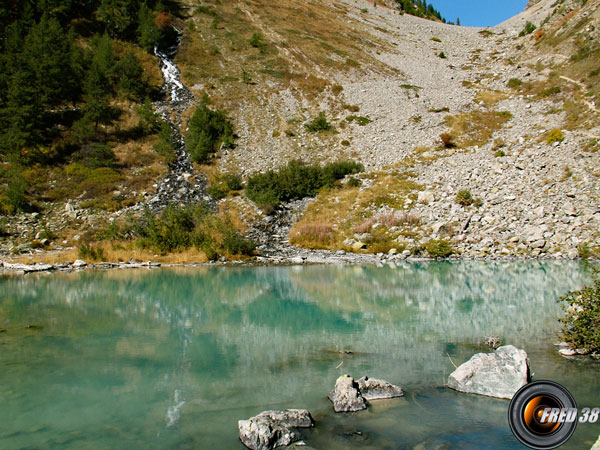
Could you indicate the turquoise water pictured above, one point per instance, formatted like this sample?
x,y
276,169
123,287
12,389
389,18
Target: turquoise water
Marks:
x,y
161,359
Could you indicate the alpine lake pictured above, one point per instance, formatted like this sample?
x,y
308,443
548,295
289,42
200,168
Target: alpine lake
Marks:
x,y
172,358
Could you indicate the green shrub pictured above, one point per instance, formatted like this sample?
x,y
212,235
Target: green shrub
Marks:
x,y
14,198
296,181
553,90
436,39
361,120
464,197
442,55
149,121
257,41
217,191
178,228
319,123
499,153
514,83
236,244
208,130
166,142
528,29
582,321
90,252
439,248
94,156
353,182
233,181
554,135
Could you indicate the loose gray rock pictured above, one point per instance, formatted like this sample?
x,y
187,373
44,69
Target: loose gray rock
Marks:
x,y
345,396
596,445
499,374
271,429
373,389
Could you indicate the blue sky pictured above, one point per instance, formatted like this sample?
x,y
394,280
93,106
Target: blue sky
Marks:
x,y
478,13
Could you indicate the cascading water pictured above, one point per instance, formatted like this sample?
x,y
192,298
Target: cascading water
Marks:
x,y
177,186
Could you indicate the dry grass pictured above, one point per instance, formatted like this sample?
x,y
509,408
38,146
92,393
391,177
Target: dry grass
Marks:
x,y
490,98
389,219
346,209
476,127
115,252
313,235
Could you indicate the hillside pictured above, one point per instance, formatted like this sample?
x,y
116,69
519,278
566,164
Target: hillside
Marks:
x,y
474,142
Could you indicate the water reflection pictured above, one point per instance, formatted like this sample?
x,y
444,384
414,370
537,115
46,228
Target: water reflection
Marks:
x,y
169,358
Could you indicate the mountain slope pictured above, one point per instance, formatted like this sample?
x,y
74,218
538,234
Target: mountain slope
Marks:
x,y
475,141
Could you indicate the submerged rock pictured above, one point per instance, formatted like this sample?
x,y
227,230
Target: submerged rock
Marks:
x,y
499,374
345,395
373,389
271,429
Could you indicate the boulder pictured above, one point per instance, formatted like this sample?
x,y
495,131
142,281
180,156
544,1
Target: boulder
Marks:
x,y
373,389
597,444
345,395
271,429
79,263
499,374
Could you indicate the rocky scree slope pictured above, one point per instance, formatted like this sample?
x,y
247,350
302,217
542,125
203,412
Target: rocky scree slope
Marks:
x,y
521,126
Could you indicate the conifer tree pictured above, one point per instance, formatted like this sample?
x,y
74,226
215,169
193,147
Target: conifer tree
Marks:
x,y
131,82
47,52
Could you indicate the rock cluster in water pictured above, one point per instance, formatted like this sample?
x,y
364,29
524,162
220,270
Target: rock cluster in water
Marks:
x,y
271,429
499,374
349,395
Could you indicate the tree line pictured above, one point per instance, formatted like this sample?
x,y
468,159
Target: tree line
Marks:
x,y
60,76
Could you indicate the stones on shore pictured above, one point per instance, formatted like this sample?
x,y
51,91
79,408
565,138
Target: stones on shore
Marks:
x,y
349,395
271,429
499,374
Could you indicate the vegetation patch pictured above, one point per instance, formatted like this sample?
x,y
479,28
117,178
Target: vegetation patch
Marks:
x,y
208,130
582,317
318,124
554,135
361,120
180,228
296,181
475,127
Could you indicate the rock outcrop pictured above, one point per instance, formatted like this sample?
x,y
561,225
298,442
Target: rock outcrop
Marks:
x,y
271,429
596,445
498,374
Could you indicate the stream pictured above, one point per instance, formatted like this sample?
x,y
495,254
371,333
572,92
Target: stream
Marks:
x,y
183,184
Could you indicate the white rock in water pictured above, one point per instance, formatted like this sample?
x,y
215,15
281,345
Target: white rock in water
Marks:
x,y
79,263
346,396
499,374
271,429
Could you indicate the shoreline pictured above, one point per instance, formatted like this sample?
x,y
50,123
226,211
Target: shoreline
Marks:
x,y
314,257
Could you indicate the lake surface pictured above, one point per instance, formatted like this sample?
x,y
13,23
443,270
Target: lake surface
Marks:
x,y
165,359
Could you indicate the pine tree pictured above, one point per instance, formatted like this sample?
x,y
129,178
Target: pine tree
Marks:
x,y
148,32
47,52
131,82
98,85
458,21
116,16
